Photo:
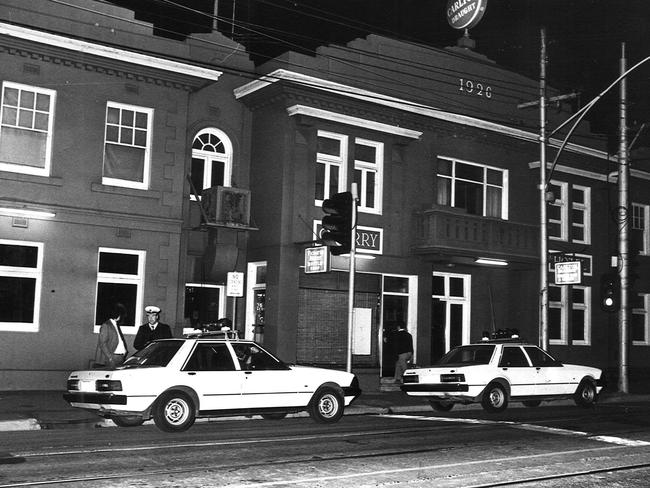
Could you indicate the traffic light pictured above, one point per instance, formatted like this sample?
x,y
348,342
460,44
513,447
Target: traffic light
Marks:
x,y
609,292
337,223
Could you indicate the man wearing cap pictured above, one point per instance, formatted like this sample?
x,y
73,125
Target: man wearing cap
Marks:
x,y
152,330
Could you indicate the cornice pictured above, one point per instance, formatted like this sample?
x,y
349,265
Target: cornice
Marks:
x,y
350,92
89,56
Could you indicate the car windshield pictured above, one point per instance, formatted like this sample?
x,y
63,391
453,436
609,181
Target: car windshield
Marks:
x,y
155,354
479,354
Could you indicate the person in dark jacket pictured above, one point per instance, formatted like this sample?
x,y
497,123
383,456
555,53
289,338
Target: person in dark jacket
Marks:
x,y
111,345
403,347
152,330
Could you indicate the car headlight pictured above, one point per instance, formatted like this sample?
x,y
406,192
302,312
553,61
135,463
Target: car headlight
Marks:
x,y
73,385
108,385
452,378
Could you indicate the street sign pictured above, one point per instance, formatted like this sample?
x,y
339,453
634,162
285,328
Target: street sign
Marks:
x,y
317,259
235,284
568,273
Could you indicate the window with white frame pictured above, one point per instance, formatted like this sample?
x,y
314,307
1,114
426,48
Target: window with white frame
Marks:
x,y
476,188
120,279
640,235
211,160
127,146
580,315
640,329
331,165
569,309
569,213
368,174
26,129
21,274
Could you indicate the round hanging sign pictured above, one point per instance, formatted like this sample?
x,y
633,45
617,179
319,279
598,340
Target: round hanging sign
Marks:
x,y
465,14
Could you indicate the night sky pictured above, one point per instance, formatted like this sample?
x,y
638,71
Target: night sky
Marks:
x,y
583,37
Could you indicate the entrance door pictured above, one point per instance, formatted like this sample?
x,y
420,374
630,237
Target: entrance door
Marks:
x,y
395,310
450,302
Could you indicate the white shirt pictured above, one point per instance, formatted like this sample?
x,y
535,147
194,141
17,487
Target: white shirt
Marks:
x,y
121,347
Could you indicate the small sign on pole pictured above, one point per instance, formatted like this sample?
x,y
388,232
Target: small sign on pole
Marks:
x,y
317,259
235,284
568,273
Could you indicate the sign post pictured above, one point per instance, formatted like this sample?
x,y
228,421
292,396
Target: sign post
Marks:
x,y
234,289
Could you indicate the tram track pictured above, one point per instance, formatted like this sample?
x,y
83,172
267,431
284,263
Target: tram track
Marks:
x,y
288,455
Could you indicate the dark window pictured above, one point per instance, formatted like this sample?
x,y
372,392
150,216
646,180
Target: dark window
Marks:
x,y
513,357
539,357
210,357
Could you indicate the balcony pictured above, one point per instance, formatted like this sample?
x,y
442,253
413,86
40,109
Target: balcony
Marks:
x,y
450,232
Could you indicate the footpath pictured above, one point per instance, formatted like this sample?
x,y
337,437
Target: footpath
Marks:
x,y
40,410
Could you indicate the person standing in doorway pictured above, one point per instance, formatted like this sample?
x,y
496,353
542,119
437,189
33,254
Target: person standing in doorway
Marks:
x,y
111,346
403,343
152,330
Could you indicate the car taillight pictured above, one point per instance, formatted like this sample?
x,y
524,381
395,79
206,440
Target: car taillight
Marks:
x,y
452,378
410,378
108,385
73,384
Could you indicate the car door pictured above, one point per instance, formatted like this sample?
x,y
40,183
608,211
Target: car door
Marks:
x,y
267,382
211,372
554,379
514,366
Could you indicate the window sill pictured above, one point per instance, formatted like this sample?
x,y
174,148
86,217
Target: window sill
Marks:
x,y
119,190
24,177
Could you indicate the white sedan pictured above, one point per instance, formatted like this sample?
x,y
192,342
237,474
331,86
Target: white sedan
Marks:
x,y
174,381
496,372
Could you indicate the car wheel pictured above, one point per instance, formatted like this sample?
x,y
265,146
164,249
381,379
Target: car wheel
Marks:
x,y
274,416
326,406
532,403
494,398
127,420
174,412
441,406
585,395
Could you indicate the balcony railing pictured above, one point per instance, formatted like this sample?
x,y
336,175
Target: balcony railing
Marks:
x,y
444,230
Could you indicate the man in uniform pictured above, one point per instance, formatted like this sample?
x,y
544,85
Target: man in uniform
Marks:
x,y
152,330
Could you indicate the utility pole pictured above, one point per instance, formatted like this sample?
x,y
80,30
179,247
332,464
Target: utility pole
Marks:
x,y
353,248
543,223
623,227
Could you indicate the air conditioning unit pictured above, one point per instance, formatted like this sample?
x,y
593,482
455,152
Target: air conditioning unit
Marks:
x,y
226,206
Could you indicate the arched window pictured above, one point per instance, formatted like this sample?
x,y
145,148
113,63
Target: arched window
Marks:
x,y
211,160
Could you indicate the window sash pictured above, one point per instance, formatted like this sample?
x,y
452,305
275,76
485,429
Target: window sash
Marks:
x,y
473,187
26,123
135,302
369,177
331,169
567,310
21,274
211,160
127,146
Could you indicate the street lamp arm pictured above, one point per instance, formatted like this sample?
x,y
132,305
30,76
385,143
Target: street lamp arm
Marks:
x,y
580,114
587,107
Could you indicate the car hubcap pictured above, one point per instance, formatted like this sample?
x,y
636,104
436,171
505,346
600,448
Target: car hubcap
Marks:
x,y
587,394
496,398
328,406
176,411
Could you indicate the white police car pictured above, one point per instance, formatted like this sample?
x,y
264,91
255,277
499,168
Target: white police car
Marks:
x,y
174,381
495,372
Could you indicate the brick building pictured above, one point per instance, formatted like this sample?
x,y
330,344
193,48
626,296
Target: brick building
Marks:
x,y
447,167
146,175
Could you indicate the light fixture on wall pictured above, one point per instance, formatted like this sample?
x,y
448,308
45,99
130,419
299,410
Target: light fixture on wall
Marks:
x,y
491,261
26,212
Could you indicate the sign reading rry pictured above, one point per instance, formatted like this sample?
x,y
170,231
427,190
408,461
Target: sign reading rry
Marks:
x,y
465,14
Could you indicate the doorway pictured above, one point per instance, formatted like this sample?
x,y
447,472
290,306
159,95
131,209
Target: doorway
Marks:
x,y
450,312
